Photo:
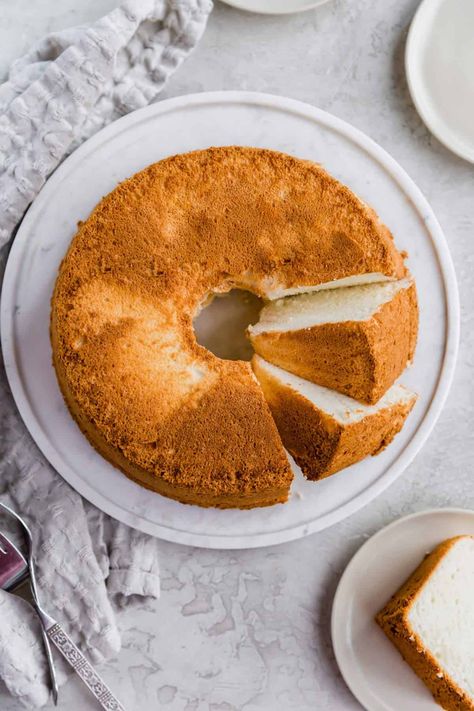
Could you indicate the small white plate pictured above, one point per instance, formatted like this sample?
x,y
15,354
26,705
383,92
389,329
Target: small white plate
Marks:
x,y
371,666
275,7
176,126
439,61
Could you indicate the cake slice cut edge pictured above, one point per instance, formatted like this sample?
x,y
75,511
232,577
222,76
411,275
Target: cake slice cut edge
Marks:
x,y
354,339
430,620
324,430
275,293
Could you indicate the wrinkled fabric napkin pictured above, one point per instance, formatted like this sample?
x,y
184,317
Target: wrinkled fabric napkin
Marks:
x,y
65,89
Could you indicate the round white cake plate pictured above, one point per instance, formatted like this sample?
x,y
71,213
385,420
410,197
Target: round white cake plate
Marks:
x,y
439,61
371,666
275,7
184,124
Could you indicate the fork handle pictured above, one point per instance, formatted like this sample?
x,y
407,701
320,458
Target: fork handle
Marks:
x,y
83,668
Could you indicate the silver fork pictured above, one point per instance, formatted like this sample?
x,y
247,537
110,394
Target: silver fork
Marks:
x,y
14,572
52,630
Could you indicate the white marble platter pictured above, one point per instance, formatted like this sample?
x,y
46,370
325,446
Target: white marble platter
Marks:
x,y
184,124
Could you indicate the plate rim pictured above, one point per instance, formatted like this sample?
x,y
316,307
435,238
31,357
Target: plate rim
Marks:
x,y
346,575
451,297
246,7
412,54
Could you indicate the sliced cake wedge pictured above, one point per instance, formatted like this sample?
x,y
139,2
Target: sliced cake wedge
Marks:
x,y
356,339
431,622
324,430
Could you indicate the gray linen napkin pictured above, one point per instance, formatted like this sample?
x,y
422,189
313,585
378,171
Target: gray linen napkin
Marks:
x,y
66,88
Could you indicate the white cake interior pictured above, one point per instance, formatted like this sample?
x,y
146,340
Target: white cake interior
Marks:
x,y
342,408
351,303
442,615
278,293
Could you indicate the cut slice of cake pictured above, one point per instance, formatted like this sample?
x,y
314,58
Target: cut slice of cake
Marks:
x,y
431,622
356,339
324,430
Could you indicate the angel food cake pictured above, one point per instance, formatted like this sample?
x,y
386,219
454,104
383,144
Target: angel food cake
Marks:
x,y
168,412
356,340
325,431
431,622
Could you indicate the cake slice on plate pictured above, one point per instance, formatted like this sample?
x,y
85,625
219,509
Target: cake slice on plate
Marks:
x,y
431,622
356,340
324,430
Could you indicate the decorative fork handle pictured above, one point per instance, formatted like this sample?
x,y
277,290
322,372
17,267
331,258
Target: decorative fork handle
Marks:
x,y
83,668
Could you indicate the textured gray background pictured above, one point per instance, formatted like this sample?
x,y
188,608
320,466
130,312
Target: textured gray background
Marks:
x,y
249,631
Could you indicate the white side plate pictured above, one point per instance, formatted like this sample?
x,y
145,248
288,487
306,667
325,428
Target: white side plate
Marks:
x,y
439,62
370,664
275,7
184,124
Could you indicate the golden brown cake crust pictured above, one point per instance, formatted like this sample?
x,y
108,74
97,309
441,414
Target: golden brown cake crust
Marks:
x,y
192,457
393,619
131,283
320,445
361,359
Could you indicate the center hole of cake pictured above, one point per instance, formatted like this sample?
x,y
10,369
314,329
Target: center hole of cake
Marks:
x,y
220,327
